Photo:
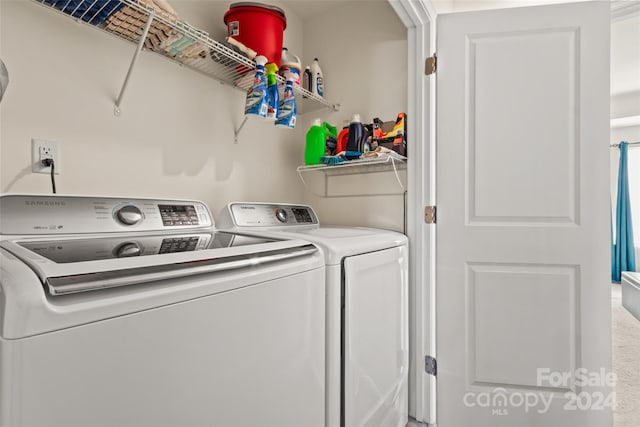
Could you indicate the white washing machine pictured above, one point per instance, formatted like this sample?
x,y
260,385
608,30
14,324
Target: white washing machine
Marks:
x,y
138,312
367,310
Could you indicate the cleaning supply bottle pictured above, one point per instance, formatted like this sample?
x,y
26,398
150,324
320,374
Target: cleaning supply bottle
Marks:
x,y
273,97
376,132
287,113
317,80
315,147
356,134
343,139
256,104
306,78
331,140
290,63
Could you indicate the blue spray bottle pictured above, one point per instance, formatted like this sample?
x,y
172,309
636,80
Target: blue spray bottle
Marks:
x,y
257,103
287,113
273,96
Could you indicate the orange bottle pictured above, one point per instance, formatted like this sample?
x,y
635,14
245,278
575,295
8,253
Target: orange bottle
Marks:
x,y
343,139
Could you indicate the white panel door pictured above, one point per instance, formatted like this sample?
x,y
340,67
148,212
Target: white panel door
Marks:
x,y
523,217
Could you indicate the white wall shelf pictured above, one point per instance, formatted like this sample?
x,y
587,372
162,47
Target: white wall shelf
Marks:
x,y
331,180
151,28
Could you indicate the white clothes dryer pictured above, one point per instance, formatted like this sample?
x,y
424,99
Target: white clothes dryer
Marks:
x,y
367,310
138,312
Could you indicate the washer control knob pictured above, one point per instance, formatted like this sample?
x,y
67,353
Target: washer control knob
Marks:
x,y
129,215
128,249
281,215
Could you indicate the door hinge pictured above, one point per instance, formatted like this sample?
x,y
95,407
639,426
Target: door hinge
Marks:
x,y
430,365
431,65
430,214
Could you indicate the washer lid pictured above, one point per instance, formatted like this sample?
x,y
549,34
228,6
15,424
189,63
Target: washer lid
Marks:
x,y
301,222
72,264
340,242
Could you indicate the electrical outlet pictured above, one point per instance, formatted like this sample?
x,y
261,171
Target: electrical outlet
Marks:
x,y
42,149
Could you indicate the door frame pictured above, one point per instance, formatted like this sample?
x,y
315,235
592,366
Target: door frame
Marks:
x,y
419,17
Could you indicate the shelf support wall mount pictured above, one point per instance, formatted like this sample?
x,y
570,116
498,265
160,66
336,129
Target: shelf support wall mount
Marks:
x,y
236,132
136,54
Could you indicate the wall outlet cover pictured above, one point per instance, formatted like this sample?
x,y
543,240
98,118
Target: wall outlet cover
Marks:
x,y
44,149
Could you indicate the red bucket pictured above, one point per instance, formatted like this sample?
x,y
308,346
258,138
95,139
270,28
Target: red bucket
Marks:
x,y
258,26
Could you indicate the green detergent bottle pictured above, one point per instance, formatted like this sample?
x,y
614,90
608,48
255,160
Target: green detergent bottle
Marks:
x,y
315,148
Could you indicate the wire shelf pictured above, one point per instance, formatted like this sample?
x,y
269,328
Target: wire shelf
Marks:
x,y
156,30
327,186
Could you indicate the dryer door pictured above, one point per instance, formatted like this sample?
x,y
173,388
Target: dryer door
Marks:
x,y
375,339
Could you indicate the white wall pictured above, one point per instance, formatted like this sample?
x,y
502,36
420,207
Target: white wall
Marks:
x,y
175,136
362,48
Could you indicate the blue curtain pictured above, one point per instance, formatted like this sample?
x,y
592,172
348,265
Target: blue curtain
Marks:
x,y
623,256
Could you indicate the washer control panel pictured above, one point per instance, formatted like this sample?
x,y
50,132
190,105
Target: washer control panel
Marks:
x,y
53,214
269,215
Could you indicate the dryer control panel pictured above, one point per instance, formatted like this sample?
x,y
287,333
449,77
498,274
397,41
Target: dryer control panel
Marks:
x,y
267,215
53,214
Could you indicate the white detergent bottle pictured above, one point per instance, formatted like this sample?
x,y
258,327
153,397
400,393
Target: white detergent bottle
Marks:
x,y
317,80
290,63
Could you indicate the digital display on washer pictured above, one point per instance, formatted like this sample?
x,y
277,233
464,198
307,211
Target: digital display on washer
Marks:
x,y
301,215
178,215
80,250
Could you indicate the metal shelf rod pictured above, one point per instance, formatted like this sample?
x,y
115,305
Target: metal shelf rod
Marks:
x,y
136,54
236,132
628,143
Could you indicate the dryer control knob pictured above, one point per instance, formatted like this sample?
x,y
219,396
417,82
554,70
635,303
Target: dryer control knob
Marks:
x,y
128,249
281,215
129,215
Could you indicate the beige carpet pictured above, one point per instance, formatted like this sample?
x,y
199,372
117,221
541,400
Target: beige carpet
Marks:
x,y
626,362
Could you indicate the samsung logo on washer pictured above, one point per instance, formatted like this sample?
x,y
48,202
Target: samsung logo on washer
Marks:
x,y
44,203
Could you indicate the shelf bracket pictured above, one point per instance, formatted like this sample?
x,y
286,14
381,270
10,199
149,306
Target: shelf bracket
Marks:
x,y
388,164
143,37
236,132
397,174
